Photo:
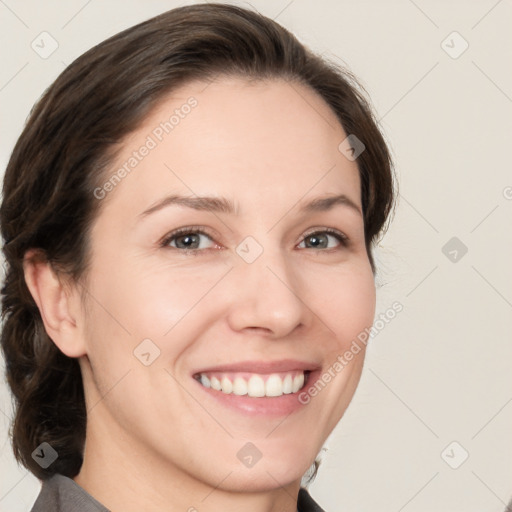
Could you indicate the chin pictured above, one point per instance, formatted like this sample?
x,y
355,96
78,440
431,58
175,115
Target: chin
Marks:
x,y
264,476
262,480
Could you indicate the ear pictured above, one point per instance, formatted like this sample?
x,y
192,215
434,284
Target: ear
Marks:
x,y
57,304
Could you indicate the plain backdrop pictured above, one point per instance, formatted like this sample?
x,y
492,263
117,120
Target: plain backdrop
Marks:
x,y
430,426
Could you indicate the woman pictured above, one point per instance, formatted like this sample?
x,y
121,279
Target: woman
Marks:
x,y
188,220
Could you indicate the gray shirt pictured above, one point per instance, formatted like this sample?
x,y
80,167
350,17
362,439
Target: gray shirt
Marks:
x,y
62,494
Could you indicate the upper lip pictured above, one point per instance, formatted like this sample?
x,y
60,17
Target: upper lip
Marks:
x,y
283,365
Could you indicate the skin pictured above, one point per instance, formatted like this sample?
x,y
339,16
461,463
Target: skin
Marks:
x,y
154,441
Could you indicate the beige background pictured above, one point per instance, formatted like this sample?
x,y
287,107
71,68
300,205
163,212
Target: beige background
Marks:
x,y
441,371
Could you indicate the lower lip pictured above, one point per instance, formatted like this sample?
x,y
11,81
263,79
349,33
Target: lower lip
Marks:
x,y
276,406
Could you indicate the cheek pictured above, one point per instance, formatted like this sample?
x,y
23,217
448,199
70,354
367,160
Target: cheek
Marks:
x,y
345,302
152,301
157,301
344,299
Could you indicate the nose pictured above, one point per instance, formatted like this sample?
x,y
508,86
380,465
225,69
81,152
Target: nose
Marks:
x,y
266,297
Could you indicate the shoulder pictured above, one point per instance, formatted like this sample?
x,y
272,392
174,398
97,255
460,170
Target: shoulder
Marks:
x,y
306,503
62,494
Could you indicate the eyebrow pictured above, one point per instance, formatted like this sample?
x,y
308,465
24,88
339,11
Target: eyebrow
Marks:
x,y
223,205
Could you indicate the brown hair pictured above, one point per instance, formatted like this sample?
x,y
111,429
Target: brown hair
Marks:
x,y
66,149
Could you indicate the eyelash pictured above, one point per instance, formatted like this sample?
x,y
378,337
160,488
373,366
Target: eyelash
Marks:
x,y
341,237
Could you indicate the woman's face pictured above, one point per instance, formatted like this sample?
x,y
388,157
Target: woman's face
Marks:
x,y
237,297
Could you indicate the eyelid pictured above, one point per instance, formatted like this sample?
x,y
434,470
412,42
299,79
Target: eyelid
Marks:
x,y
342,237
183,231
345,240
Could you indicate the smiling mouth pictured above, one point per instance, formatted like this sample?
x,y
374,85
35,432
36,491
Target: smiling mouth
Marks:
x,y
255,385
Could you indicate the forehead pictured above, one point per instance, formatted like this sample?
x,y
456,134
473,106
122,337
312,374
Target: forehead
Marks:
x,y
256,142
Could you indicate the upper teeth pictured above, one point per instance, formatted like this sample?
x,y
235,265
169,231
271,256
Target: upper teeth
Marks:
x,y
255,385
